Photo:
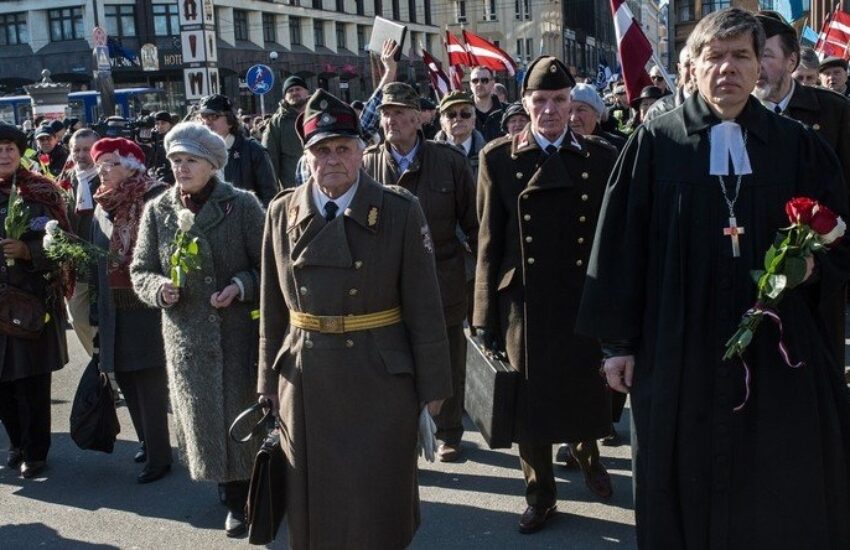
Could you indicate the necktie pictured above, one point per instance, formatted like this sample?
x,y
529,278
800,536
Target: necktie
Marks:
x,y
330,210
777,110
551,150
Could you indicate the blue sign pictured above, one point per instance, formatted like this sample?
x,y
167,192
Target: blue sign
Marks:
x,y
259,79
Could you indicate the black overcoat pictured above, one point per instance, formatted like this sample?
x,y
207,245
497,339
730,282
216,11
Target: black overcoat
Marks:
x,y
662,274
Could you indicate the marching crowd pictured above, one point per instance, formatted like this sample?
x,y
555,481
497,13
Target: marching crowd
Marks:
x,y
333,258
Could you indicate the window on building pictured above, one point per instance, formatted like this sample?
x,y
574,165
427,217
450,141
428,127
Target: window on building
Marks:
x,y
709,6
427,10
269,27
396,11
361,38
120,19
460,11
529,49
340,6
13,29
65,24
166,19
489,11
240,24
295,30
379,7
293,2
685,10
411,10
340,36
317,4
319,33
522,10
359,7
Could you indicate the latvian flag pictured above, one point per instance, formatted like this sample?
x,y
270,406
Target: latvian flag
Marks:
x,y
439,80
835,35
487,54
635,49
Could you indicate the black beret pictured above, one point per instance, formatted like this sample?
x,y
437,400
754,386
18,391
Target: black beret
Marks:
x,y
325,116
547,73
215,103
9,132
648,92
294,80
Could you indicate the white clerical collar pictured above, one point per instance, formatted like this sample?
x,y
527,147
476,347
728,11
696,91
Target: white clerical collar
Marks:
x,y
544,143
342,201
783,104
727,142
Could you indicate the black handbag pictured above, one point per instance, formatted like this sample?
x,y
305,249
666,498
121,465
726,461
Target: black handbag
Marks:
x,y
94,423
267,489
491,388
22,314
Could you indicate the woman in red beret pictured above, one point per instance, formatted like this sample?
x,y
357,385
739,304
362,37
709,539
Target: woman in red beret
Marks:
x,y
27,362
129,331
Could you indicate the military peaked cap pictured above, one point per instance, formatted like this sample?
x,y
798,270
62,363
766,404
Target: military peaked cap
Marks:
x,y
324,117
547,73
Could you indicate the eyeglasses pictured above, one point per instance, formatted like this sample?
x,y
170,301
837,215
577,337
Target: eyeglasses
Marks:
x,y
106,166
212,117
481,80
451,115
656,77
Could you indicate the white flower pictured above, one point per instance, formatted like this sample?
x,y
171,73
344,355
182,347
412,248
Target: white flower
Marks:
x,y
185,220
836,233
48,241
52,228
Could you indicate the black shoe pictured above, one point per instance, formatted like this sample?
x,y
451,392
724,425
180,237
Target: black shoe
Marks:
x,y
141,455
534,518
613,440
565,455
31,469
15,458
150,475
234,525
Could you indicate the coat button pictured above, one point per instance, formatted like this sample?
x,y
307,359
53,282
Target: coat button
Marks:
x,y
349,343
531,260
528,239
358,264
211,318
584,175
308,344
587,154
579,263
582,219
352,292
525,197
519,175
581,240
584,197
303,290
816,126
208,280
527,217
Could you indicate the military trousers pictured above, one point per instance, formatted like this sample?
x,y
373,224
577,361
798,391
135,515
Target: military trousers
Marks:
x,y
450,420
25,413
538,469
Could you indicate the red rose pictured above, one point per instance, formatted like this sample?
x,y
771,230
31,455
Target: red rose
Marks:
x,y
800,210
823,220
44,158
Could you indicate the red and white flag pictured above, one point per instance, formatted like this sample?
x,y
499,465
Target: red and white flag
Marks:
x,y
457,51
439,80
835,35
456,74
485,53
635,49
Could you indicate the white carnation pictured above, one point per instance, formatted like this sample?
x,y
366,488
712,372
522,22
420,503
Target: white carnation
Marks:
x,y
52,228
185,220
48,241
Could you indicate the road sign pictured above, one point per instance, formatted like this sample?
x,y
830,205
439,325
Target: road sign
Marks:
x,y
259,79
98,36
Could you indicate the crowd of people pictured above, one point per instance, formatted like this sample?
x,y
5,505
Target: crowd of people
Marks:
x,y
339,255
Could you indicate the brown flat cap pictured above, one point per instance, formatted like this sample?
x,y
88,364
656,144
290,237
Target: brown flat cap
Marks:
x,y
547,73
399,94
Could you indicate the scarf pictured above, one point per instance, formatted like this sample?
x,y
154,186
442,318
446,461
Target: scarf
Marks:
x,y
195,201
84,200
124,204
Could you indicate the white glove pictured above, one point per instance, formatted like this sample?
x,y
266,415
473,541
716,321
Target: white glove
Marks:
x,y
427,435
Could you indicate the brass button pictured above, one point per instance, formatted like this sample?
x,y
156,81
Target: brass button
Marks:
x,y
308,344
584,197
587,154
527,217
525,197
519,175
528,239
531,260
581,240
358,264
303,290
579,263
816,126
352,292
211,318
349,343
582,219
584,175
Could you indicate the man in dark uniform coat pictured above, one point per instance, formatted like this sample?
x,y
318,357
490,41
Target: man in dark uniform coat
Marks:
x,y
666,288
538,198
441,178
822,110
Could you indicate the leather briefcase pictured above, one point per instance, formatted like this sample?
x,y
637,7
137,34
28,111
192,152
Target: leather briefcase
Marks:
x,y
491,388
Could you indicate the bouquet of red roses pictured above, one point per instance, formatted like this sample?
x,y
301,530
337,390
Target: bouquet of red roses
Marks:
x,y
814,228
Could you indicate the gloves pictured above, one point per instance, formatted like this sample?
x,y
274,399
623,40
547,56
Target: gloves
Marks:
x,y
427,435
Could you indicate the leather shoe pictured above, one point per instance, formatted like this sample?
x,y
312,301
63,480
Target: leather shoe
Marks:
x,y
141,455
149,474
534,517
234,525
612,440
565,455
448,453
14,459
30,470
598,481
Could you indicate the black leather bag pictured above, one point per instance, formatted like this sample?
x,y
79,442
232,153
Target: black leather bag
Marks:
x,y
267,489
491,388
21,314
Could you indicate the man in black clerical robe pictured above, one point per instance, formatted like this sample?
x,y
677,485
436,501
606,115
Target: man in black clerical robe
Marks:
x,y
664,293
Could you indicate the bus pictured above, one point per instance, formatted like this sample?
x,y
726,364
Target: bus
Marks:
x,y
129,103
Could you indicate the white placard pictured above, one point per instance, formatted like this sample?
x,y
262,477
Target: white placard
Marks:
x,y
196,83
191,12
192,43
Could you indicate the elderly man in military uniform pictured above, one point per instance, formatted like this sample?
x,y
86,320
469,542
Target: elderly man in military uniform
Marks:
x,y
352,341
539,194
825,112
440,177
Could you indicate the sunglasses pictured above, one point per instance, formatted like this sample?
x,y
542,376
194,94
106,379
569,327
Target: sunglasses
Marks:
x,y
656,77
451,115
481,80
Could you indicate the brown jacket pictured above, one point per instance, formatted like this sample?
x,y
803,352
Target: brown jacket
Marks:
x,y
538,217
441,179
349,403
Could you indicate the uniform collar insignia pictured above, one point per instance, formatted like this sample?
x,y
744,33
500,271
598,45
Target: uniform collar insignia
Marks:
x,y
372,219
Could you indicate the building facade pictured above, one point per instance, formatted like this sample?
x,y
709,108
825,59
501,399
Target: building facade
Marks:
x,y
686,14
323,41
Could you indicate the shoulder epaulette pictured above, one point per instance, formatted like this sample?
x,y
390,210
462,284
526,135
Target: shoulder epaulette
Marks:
x,y
399,191
496,143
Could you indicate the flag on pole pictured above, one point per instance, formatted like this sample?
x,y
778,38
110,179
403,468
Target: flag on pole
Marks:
x,y
458,55
456,73
439,80
808,37
635,49
487,54
834,35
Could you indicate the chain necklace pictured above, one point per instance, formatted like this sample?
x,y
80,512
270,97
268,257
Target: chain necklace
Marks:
x,y
733,231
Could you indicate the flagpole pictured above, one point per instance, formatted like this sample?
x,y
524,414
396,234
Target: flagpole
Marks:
x,y
670,86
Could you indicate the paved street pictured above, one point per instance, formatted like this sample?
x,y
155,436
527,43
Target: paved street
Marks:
x,y
90,500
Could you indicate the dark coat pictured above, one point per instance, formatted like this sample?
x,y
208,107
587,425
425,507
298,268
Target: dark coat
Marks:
x,y
349,402
249,167
537,220
441,179
662,274
489,124
21,358
281,141
129,331
478,143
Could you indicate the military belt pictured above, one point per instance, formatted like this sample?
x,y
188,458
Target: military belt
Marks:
x,y
339,324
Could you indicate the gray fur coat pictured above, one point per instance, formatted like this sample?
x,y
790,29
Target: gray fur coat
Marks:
x,y
211,353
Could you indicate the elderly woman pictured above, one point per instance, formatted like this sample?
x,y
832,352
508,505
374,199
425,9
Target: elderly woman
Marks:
x,y
130,332
457,120
514,119
211,347
586,112
26,364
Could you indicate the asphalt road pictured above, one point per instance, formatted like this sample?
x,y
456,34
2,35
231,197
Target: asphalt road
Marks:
x,y
89,500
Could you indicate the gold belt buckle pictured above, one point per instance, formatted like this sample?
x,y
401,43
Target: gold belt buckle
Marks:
x,y
331,324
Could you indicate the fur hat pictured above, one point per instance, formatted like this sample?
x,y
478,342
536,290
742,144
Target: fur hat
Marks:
x,y
197,140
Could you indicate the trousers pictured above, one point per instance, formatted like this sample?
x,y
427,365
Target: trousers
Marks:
x,y
450,420
25,413
146,394
539,473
